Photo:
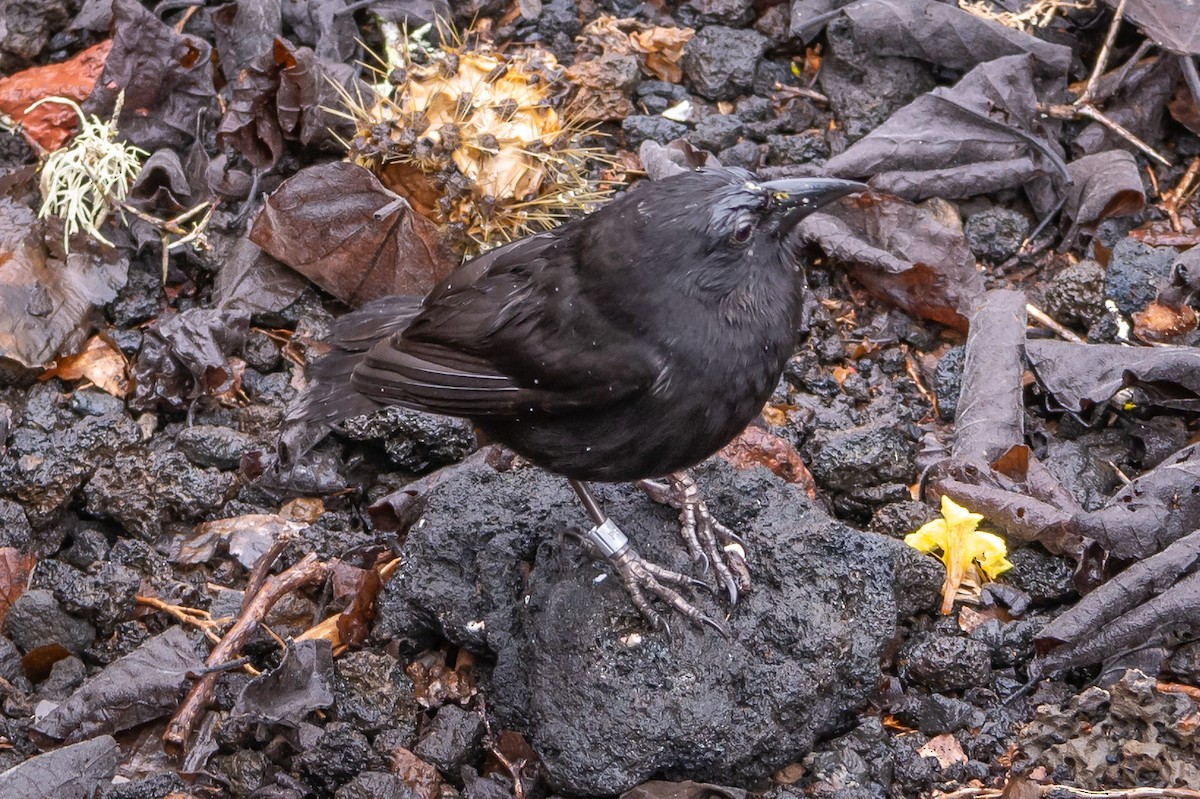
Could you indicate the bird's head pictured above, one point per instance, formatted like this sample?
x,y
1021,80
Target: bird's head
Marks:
x,y
743,210
711,229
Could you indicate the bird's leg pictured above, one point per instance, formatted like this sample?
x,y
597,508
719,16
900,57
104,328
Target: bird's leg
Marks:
x,y
707,539
605,540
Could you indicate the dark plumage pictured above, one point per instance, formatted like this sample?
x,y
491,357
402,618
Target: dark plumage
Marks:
x,y
630,344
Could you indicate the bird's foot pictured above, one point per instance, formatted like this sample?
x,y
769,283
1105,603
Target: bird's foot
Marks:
x,y
641,577
708,541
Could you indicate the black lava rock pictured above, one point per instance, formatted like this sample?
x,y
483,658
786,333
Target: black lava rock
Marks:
x,y
1135,273
37,619
996,234
719,62
1075,295
947,382
451,740
569,645
716,132
796,148
643,127
746,154
946,662
210,445
698,13
656,96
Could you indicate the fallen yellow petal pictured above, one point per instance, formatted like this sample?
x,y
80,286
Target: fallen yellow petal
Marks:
x,y
961,545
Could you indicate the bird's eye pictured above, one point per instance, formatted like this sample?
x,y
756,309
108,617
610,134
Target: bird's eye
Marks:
x,y
743,232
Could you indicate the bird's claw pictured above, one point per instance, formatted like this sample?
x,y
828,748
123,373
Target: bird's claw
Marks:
x,y
642,576
707,540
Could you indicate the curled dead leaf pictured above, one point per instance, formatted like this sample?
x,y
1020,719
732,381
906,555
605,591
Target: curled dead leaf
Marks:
x,y
99,362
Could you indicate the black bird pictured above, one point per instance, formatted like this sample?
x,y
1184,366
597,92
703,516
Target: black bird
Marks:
x,y
630,344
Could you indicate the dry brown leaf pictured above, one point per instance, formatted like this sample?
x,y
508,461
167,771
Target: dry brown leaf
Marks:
x,y
662,48
303,509
945,748
1158,323
15,567
99,362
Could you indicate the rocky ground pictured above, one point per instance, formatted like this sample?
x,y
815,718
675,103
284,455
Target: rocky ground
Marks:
x,y
1006,320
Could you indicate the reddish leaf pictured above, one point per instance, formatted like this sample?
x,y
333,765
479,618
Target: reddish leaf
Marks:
x,y
14,575
755,446
51,124
338,226
902,253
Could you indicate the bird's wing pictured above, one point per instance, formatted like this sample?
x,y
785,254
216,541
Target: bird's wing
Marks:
x,y
514,333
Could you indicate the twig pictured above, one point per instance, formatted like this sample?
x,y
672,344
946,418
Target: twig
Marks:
x,y
1102,58
307,570
1085,105
1046,320
200,619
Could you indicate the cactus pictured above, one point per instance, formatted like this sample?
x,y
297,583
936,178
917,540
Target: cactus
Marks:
x,y
482,142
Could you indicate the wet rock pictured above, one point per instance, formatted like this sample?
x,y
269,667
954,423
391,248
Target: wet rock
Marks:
x,y
716,132
805,645
875,454
36,619
1084,465
261,352
797,148
241,772
160,786
10,660
210,445
995,235
53,451
451,739
1010,644
698,13
144,489
15,530
1135,273
719,62
65,676
1075,295
371,691
935,714
415,441
859,760
746,154
376,785
1044,577
945,662
775,24
338,755
656,96
642,127
103,597
140,300
947,382
94,402
865,89
901,518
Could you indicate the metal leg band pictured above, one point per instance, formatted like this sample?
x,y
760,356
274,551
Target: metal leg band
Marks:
x,y
608,538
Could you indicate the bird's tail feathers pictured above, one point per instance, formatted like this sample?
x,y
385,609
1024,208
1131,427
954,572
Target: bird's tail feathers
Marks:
x,y
329,397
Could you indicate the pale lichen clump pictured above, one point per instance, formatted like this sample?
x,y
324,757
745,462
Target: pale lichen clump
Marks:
x,y
81,182
481,141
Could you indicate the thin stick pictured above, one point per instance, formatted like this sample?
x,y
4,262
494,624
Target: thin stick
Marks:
x,y
1102,59
1046,320
307,570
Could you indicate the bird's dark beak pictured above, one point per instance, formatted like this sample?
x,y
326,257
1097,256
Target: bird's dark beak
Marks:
x,y
799,197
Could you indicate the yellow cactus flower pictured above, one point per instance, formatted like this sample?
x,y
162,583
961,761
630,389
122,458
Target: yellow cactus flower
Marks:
x,y
963,548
